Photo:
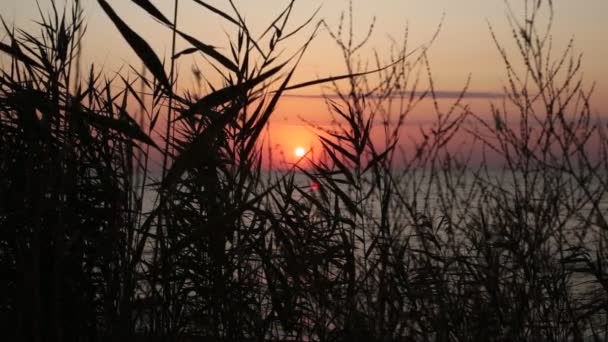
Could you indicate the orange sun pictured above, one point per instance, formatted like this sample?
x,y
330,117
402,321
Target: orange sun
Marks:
x,y
299,152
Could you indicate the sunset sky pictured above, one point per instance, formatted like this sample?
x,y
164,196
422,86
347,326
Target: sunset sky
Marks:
x,y
464,45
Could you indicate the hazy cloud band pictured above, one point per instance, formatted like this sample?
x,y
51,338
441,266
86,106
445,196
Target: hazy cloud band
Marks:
x,y
443,94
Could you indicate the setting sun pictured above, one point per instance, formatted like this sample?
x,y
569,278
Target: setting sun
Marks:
x,y
300,151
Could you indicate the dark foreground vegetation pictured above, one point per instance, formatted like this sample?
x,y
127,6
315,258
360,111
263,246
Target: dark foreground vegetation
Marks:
x,y
115,226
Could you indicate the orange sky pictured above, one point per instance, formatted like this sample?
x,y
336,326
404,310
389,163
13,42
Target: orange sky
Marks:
x,y
464,46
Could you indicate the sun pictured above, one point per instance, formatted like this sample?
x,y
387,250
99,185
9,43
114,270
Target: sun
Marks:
x,y
299,152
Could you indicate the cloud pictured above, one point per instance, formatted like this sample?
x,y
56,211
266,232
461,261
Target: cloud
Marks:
x,y
442,94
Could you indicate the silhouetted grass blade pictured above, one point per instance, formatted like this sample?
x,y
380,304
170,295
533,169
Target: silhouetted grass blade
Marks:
x,y
341,77
62,41
218,12
341,149
139,46
228,93
197,151
125,126
153,11
210,51
187,51
259,125
379,157
17,53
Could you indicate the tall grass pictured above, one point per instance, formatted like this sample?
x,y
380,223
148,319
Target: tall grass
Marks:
x,y
99,242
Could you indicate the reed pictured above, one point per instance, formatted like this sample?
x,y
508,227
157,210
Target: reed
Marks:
x,y
99,242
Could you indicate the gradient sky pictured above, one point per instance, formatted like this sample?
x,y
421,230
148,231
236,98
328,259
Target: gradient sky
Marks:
x,y
463,47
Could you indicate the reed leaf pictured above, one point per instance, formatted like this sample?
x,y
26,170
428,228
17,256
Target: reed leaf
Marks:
x,y
345,76
228,93
139,46
340,149
153,11
18,54
210,51
198,150
218,12
126,126
184,52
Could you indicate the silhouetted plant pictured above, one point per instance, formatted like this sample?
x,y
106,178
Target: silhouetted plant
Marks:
x,y
394,242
